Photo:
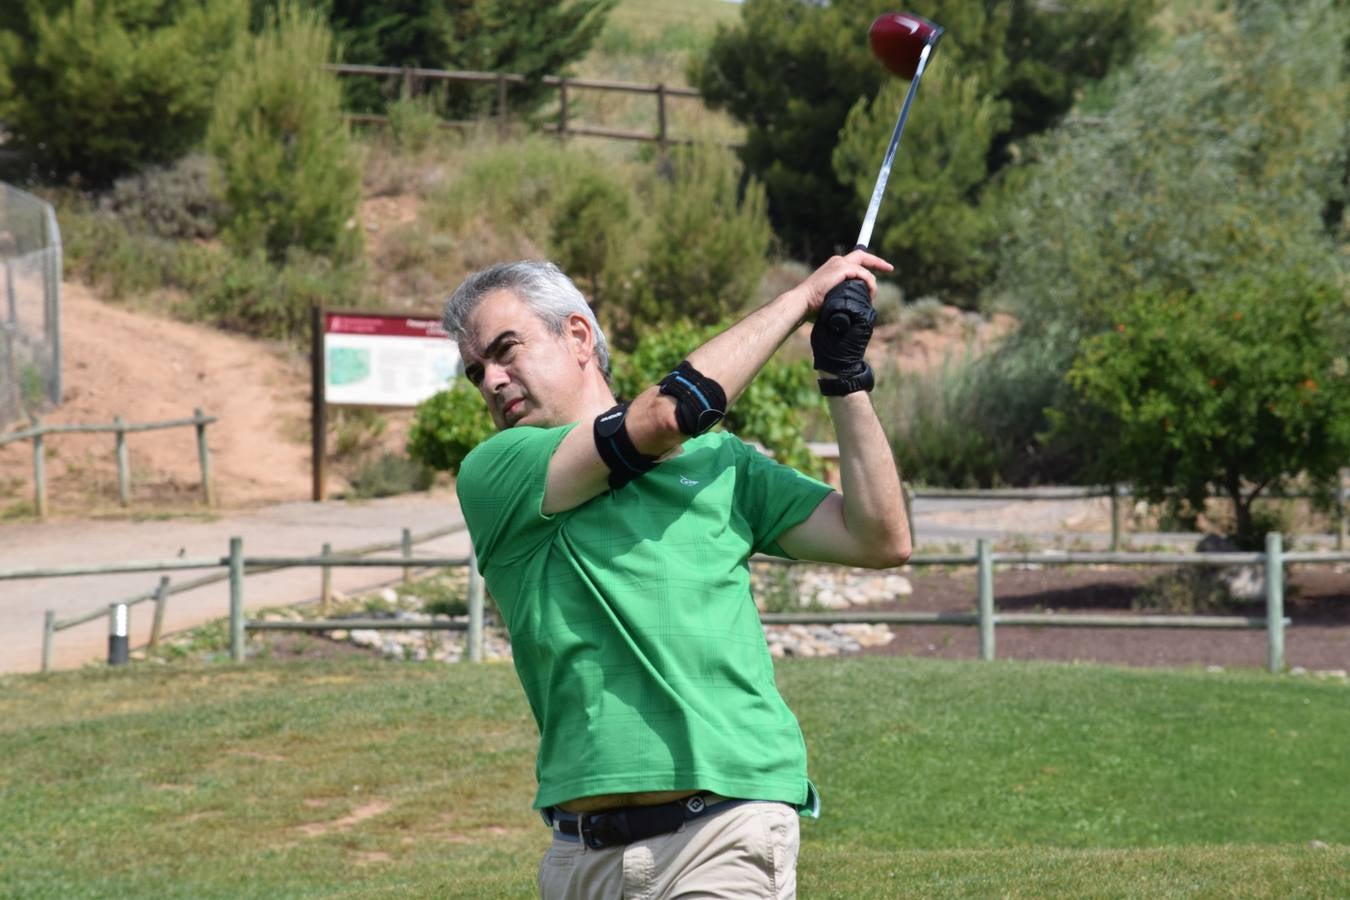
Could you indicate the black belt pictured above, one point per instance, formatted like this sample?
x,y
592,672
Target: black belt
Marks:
x,y
615,827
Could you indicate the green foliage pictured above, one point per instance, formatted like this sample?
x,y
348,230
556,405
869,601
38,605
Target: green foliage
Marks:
x,y
1213,157
414,122
1236,388
172,202
590,233
708,241
527,37
92,89
773,411
448,425
792,71
289,173
937,226
390,474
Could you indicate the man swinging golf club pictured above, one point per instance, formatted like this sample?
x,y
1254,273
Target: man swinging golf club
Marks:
x,y
615,538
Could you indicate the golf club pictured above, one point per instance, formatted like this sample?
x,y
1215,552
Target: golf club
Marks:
x,y
903,42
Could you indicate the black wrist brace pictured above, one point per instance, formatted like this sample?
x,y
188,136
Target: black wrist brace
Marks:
x,y
862,380
617,449
700,402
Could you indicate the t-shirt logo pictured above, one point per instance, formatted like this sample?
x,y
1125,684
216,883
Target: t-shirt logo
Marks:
x,y
687,482
694,804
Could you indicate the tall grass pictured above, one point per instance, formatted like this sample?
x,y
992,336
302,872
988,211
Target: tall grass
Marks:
x,y
360,779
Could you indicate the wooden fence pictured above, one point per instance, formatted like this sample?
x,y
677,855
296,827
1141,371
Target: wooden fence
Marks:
x,y
37,431
986,618
566,126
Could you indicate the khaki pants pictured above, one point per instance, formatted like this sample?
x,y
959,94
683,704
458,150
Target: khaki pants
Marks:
x,y
747,850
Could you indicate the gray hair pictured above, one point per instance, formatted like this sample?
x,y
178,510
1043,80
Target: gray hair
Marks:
x,y
541,285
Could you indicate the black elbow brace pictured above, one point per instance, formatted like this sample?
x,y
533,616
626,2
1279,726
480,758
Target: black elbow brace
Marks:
x,y
700,402
616,448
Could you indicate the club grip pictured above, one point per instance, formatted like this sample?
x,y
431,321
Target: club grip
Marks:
x,y
833,312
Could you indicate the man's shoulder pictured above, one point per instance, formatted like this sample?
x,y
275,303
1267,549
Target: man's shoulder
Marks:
x,y
524,444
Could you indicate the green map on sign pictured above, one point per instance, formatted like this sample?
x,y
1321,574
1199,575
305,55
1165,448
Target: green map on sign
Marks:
x,y
348,365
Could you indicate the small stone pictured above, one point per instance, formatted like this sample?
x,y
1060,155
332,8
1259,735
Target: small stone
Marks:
x,y
1298,670
1317,845
1214,669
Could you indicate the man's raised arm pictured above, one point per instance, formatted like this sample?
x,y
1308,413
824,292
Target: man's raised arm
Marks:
x,y
731,359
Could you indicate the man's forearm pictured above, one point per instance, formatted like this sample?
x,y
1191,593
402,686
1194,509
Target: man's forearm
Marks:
x,y
732,358
874,502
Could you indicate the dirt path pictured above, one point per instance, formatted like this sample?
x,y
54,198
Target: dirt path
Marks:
x,y
146,368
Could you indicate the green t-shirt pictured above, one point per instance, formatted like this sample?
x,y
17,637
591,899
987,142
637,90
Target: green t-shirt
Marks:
x,y
632,626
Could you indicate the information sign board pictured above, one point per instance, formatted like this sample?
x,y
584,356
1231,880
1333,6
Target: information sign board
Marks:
x,y
373,359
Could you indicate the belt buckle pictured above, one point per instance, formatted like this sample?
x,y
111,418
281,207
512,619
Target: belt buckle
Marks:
x,y
599,830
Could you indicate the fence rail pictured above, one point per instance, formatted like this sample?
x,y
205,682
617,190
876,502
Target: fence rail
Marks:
x,y
565,126
37,431
986,618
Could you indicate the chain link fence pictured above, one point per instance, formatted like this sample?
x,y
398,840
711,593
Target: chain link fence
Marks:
x,y
30,305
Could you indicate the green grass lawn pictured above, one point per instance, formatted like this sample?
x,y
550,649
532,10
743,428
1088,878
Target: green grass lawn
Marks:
x,y
363,779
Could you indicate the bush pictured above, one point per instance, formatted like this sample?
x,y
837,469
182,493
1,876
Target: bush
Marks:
x,y
289,173
174,202
256,296
1233,389
590,234
448,425
388,475
708,243
97,88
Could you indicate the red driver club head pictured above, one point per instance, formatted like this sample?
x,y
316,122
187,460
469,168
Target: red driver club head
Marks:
x,y
898,38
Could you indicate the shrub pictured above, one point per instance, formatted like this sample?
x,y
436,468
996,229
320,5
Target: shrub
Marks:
x,y
175,202
1234,389
414,122
289,173
390,474
590,230
448,425
98,88
253,295
708,241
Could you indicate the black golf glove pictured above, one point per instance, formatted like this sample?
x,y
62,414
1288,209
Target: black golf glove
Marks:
x,y
840,337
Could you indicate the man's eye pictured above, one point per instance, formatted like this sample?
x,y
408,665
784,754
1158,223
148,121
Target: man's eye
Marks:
x,y
474,374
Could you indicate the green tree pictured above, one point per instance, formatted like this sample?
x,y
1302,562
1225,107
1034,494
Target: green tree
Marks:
x,y
447,425
934,225
290,176
1234,389
1212,157
527,37
792,71
97,88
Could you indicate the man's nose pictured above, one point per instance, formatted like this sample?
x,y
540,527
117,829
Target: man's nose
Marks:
x,y
495,377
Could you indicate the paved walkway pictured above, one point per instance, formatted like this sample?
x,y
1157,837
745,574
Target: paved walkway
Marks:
x,y
297,529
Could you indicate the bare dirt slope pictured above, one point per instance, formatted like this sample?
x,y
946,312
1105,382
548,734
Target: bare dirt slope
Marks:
x,y
145,369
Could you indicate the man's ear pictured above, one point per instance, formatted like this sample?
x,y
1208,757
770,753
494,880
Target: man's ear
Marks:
x,y
580,337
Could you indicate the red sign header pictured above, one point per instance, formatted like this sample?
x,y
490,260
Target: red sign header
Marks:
x,y
381,324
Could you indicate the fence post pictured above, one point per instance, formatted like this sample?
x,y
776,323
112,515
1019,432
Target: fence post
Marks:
x,y
985,563
9,292
161,600
1342,513
501,104
562,108
237,599
1275,601
48,634
117,634
407,83
204,457
39,471
661,116
123,473
406,542
325,582
1115,518
475,636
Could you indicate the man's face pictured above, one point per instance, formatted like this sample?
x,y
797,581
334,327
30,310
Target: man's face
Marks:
x,y
526,373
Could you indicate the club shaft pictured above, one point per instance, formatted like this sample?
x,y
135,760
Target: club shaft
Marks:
x,y
879,189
